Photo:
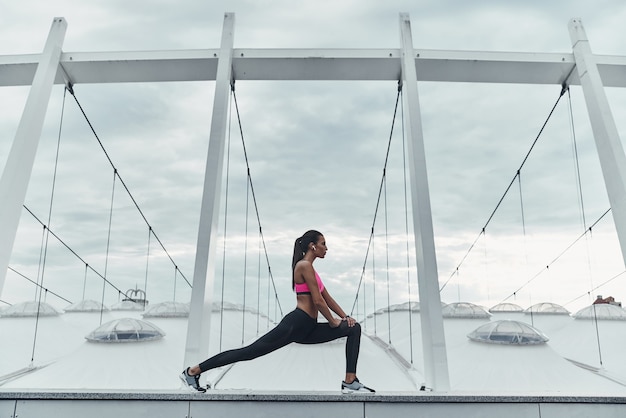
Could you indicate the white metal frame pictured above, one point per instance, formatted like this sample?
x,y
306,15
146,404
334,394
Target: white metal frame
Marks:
x,y
433,339
198,328
608,143
19,165
52,66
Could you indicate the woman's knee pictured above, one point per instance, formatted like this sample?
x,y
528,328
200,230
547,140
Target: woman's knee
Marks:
x,y
356,329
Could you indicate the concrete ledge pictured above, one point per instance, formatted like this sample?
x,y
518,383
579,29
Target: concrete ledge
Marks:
x,y
233,404
242,395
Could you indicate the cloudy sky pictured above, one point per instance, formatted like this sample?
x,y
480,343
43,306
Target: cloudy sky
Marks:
x,y
316,153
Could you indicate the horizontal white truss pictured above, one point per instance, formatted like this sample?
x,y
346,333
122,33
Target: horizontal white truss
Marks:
x,y
313,64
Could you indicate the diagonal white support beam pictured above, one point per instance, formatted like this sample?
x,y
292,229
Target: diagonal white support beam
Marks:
x,y
199,324
433,339
19,165
605,133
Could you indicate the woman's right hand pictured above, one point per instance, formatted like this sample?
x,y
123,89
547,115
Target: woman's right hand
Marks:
x,y
335,323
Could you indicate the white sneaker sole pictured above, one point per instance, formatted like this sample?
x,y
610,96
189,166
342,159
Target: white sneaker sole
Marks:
x,y
357,391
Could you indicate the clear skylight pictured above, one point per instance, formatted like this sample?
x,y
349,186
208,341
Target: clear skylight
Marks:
x,y
167,310
127,305
547,308
414,307
125,330
602,311
86,305
507,332
506,307
464,310
30,308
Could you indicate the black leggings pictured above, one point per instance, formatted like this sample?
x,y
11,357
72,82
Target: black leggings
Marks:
x,y
296,327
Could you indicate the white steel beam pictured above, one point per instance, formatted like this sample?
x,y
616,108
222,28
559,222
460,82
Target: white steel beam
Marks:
x,y
19,165
433,339
314,64
199,324
608,142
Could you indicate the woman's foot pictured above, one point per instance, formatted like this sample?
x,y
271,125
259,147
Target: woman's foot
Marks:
x,y
355,386
193,381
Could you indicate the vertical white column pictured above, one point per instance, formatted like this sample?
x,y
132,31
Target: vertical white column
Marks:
x,y
433,339
199,324
19,165
608,143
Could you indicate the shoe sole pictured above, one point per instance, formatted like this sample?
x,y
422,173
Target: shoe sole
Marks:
x,y
365,390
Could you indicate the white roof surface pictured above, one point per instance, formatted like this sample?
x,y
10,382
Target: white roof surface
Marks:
x,y
568,363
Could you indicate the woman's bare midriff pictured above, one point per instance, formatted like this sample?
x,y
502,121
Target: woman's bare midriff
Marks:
x,y
305,302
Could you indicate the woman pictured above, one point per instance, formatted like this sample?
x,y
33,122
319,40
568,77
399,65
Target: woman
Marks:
x,y
300,325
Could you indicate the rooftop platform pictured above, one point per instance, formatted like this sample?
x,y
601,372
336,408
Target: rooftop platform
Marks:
x,y
25,404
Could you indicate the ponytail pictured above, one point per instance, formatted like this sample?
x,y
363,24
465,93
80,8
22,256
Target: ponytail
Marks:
x,y
300,248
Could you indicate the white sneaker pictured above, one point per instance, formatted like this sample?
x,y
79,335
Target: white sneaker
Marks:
x,y
355,386
191,381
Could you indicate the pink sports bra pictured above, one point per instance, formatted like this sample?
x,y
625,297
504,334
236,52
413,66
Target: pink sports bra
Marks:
x,y
303,288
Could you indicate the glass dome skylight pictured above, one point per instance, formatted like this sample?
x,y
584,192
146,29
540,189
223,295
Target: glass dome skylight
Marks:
x,y
507,332
86,305
602,311
226,306
127,305
167,310
506,307
413,306
125,330
30,308
547,308
464,310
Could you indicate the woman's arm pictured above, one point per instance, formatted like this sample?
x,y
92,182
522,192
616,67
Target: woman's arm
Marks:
x,y
334,306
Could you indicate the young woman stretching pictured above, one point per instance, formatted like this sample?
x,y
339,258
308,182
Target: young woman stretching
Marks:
x,y
300,325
